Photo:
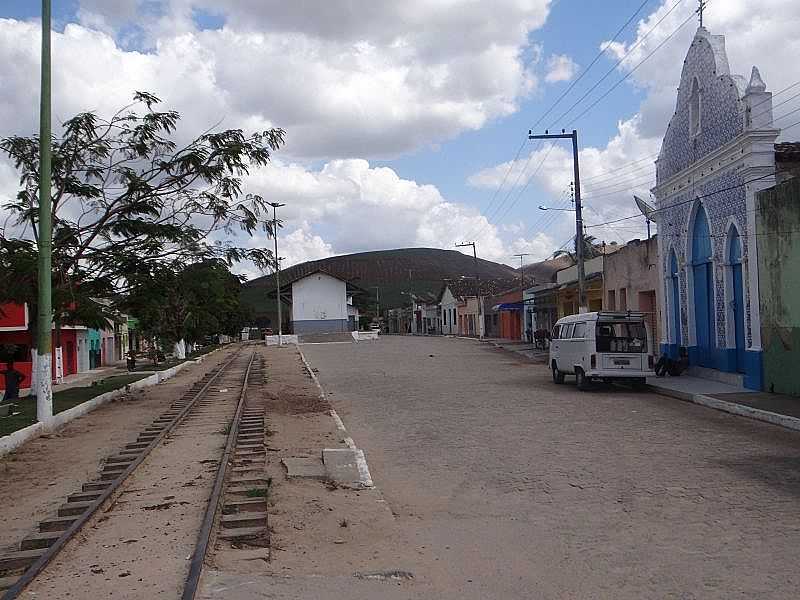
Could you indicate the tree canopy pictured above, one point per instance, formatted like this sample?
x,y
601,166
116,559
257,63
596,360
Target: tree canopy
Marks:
x,y
128,198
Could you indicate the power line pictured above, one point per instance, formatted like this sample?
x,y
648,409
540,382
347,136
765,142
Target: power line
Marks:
x,y
687,201
620,61
633,70
549,110
591,64
508,172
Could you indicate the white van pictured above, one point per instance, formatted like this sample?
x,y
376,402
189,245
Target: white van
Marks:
x,y
603,346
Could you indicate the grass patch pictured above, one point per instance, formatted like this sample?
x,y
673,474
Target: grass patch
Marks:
x,y
259,492
63,400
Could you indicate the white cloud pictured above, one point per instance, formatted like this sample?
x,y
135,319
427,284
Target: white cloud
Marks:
x,y
560,67
767,39
611,175
377,81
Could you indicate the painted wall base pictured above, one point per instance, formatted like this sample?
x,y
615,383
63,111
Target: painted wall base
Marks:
x,y
321,326
724,359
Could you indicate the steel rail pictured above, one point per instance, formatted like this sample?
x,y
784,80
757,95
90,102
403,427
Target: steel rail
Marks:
x,y
204,537
37,567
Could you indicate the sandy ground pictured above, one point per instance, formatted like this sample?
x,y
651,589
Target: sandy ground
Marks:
x,y
138,546
38,477
318,530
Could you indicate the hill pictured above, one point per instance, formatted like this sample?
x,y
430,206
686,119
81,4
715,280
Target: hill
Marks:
x,y
388,270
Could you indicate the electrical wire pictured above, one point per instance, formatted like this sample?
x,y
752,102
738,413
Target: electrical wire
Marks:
x,y
621,60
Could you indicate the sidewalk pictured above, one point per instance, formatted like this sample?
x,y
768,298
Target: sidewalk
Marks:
x,y
771,408
525,349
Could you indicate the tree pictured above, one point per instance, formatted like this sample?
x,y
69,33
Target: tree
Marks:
x,y
126,196
590,249
186,303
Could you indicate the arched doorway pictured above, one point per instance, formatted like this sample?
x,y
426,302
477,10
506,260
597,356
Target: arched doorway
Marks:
x,y
675,298
702,271
737,296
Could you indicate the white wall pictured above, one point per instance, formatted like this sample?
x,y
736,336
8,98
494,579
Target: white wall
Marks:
x,y
449,305
319,297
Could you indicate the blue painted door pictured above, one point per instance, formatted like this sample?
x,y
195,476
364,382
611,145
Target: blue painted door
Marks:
x,y
703,290
738,316
676,300
703,314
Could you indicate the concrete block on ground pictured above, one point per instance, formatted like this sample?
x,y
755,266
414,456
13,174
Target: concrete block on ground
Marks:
x,y
304,468
347,467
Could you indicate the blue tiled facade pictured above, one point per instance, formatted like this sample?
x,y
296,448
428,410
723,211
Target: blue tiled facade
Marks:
x,y
709,115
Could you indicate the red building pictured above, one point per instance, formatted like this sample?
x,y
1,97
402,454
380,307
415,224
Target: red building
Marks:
x,y
14,330
506,316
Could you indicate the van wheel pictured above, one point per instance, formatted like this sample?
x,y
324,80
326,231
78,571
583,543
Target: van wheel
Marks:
x,y
581,380
640,384
558,376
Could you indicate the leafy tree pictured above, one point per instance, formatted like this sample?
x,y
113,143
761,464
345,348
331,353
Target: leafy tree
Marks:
x,y
590,249
127,197
176,302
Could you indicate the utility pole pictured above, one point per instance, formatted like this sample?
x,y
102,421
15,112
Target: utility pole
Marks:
x,y
378,301
478,286
583,306
522,267
275,206
44,347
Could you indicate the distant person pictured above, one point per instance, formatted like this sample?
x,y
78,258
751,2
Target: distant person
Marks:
x,y
529,334
12,379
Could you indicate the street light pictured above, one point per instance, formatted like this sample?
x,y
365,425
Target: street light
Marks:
x,y
275,206
551,208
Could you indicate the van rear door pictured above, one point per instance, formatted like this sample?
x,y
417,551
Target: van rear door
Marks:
x,y
621,345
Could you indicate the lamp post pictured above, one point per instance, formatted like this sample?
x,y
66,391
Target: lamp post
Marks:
x,y
275,206
44,389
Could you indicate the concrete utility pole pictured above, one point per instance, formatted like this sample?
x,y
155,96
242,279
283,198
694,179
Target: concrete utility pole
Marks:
x,y
378,301
478,286
522,267
583,306
44,389
275,206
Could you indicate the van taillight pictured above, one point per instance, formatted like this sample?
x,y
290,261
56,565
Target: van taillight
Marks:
x,y
650,362
593,361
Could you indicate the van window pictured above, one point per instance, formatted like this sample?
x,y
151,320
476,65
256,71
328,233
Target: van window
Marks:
x,y
556,332
580,331
566,331
621,336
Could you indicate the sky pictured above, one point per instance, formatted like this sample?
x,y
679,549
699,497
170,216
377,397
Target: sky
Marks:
x,y
406,122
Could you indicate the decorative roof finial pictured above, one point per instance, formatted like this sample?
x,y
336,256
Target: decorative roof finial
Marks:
x,y
756,83
701,9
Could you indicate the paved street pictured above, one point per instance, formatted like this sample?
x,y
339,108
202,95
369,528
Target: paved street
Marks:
x,y
508,486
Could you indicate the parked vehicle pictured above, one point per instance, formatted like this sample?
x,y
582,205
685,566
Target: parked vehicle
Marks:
x,y
601,346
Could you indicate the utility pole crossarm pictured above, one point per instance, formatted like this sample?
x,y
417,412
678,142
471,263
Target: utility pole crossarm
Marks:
x,y
477,284
522,267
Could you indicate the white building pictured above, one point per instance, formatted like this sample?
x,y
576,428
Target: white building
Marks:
x,y
449,310
322,303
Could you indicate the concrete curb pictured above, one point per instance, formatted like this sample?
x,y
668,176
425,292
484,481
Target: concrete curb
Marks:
x,y
740,410
15,440
361,461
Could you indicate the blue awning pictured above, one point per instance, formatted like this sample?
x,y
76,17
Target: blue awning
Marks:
x,y
510,306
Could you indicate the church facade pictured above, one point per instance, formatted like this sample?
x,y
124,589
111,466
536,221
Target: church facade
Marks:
x,y
717,154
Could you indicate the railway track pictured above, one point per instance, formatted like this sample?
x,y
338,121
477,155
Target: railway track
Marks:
x,y
235,507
